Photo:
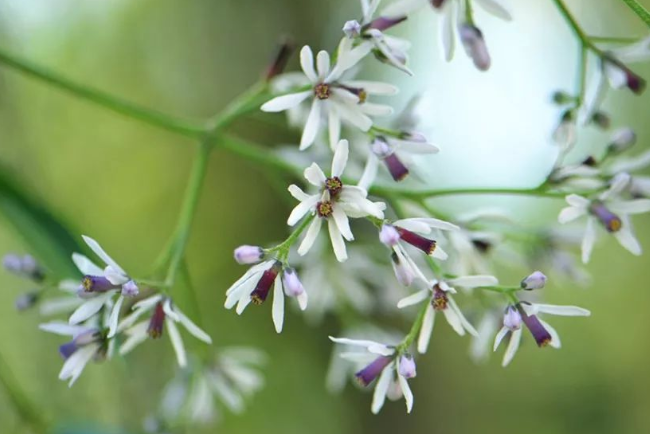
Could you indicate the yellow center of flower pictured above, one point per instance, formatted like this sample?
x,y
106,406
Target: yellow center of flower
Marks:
x,y
322,91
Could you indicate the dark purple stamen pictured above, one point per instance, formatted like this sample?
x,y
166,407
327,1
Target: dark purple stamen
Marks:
x,y
155,329
334,185
383,23
264,284
440,301
417,241
322,91
97,284
396,168
358,91
68,349
541,335
437,3
368,374
610,221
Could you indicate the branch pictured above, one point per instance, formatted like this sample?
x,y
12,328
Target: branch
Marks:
x,y
639,10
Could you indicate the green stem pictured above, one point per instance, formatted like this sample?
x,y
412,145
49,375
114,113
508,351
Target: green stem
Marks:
x,y
469,13
425,194
582,74
613,39
639,10
257,154
284,248
182,232
26,409
501,289
169,123
415,329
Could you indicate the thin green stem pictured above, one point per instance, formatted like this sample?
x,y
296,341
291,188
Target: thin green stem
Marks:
x,y
577,30
501,289
284,248
26,409
153,117
469,13
415,329
257,153
613,39
194,188
582,74
425,194
639,10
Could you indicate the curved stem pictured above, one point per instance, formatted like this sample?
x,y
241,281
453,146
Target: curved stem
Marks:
x,y
415,329
639,10
118,105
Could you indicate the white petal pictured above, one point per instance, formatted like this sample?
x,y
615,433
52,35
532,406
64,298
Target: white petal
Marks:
x,y
513,346
379,396
338,244
570,213
555,337
589,240
63,329
353,115
59,305
307,63
115,317
302,300
177,342
404,7
137,335
95,247
278,305
148,303
297,193
312,126
474,281
115,276
413,299
446,26
637,206
301,209
626,238
454,321
499,337
577,201
86,266
342,222
89,308
74,366
322,64
466,324
438,253
315,176
340,159
310,237
373,87
618,184
562,310
378,110
285,102
369,172
334,126
495,8
406,390
169,311
426,330
192,328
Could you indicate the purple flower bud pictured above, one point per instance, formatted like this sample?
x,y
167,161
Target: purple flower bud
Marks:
x,y
12,262
622,140
388,235
536,280
157,321
407,366
263,286
368,374
26,301
609,220
130,289
292,285
474,45
352,29
512,318
25,266
402,271
248,254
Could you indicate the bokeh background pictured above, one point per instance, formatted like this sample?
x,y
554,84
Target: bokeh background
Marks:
x,y
122,181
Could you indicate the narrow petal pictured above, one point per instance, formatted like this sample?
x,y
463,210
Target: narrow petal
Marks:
x,y
589,240
474,281
95,247
86,266
192,328
499,337
406,391
374,87
379,396
74,366
63,329
310,237
302,209
454,321
297,193
312,126
302,300
637,206
89,308
414,299
466,324
169,311
315,175
353,115
570,213
338,244
369,172
446,26
340,159
626,238
577,201
426,330
555,337
562,310
278,305
513,346
115,317
322,64
342,222
285,102
495,8
177,342
334,126
307,63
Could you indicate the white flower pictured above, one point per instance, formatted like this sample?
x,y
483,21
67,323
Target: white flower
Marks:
x,y
527,314
452,21
64,304
99,286
255,285
439,299
87,344
382,362
164,314
397,154
611,211
332,98
334,202
408,231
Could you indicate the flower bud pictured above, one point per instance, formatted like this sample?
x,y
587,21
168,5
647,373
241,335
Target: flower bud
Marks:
x,y
475,46
403,272
280,60
388,235
26,301
562,98
383,23
407,366
536,280
622,140
292,285
512,318
248,254
13,263
601,119
130,289
352,29
620,75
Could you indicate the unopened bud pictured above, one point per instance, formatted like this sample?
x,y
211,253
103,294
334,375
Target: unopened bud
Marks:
x,y
130,289
402,271
561,98
352,29
622,140
620,75
13,263
26,301
248,254
601,119
388,235
280,60
512,318
407,366
292,285
536,280
475,46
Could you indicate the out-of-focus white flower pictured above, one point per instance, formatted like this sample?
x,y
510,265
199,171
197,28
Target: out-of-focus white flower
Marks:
x,y
332,97
99,286
391,370
334,202
611,211
255,285
164,314
527,314
439,298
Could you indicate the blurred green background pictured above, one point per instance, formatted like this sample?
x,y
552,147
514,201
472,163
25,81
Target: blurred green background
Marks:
x,y
122,181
